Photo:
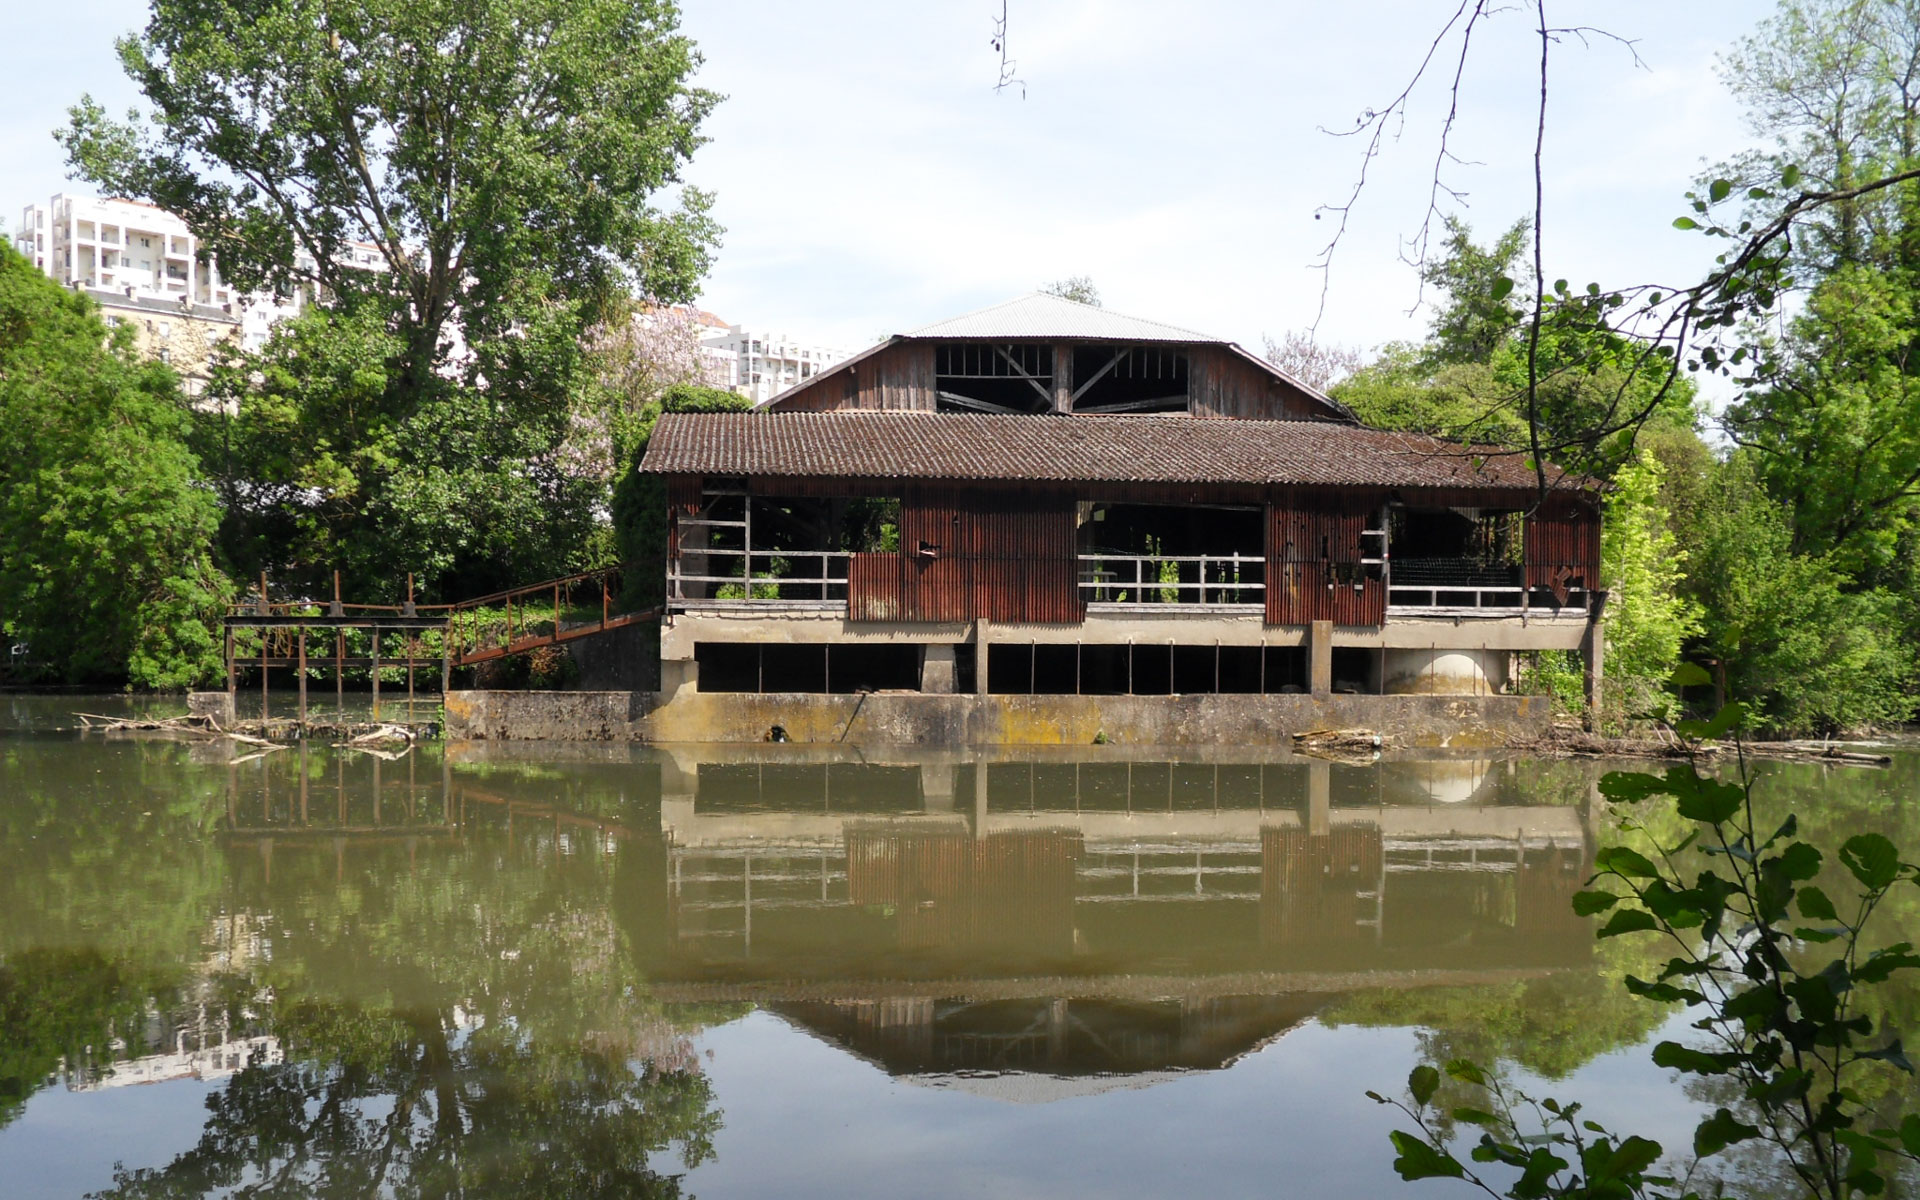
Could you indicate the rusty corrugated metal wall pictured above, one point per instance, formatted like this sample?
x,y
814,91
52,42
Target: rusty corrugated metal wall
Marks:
x,y
1314,548
1005,555
1563,546
1007,891
1310,883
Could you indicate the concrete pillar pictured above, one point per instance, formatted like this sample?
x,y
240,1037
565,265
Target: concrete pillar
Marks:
x,y
676,674
1319,797
1320,658
936,786
980,657
979,797
1593,649
936,670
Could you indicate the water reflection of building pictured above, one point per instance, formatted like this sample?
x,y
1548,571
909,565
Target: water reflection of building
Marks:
x,y
1061,867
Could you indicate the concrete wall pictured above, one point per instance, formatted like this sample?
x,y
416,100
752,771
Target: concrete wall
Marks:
x,y
905,718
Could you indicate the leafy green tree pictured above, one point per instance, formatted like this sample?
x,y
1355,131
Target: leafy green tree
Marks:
x,y
1647,619
1482,286
104,535
488,154
464,189
1815,654
1834,418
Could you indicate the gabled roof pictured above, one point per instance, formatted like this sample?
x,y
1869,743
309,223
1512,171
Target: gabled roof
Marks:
x,y
1039,315
869,444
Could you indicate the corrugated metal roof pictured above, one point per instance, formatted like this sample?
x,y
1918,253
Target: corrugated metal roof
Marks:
x,y
1075,449
1038,315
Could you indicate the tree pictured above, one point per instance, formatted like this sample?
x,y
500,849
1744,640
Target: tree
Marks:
x,y
1481,312
1077,288
1647,620
1314,363
1813,654
104,535
491,156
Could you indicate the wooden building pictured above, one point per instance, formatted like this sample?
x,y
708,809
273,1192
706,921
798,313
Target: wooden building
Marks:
x,y
1044,497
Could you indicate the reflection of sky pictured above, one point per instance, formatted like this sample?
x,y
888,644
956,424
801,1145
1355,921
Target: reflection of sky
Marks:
x,y
54,1148
802,1119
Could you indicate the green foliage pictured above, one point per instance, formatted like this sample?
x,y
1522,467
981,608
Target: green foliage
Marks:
x,y
1815,655
640,501
1558,674
326,461
1483,287
1647,618
497,162
104,570
1780,972
489,153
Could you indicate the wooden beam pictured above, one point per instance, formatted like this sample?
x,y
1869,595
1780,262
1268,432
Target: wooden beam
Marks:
x,y
960,401
1046,397
1097,376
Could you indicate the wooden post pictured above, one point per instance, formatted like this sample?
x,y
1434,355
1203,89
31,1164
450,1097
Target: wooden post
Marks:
x,y
1062,378
301,673
232,678
375,630
339,669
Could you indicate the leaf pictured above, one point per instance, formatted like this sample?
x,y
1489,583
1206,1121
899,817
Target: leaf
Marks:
x,y
1422,1082
1466,1072
1719,189
1631,1157
1872,858
1627,920
1910,1133
1881,964
1815,906
1698,798
1587,904
1790,176
1719,1131
1686,1058
1689,674
1476,1116
1891,1053
1418,1160
1685,223
1501,287
1621,860
1666,993
1800,861
1628,787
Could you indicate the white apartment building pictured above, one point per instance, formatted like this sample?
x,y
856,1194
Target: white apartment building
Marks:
x,y
760,365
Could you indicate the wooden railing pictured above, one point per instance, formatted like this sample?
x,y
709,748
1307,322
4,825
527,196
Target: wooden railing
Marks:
x,y
750,575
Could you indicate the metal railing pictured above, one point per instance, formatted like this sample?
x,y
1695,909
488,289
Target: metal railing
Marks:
x,y
1238,579
759,575
1506,600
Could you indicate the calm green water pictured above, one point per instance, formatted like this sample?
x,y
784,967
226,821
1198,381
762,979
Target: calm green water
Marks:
x,y
598,971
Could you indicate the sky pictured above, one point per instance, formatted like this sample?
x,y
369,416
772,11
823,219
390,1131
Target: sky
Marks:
x,y
872,179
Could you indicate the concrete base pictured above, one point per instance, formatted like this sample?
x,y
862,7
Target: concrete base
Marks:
x,y
217,705
909,718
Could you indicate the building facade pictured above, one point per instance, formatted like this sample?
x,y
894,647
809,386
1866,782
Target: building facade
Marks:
x,y
760,364
1048,499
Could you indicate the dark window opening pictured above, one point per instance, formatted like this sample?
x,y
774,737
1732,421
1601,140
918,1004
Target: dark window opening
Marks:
x,y
965,677
1172,553
786,787
1355,670
1455,547
1143,669
1129,379
817,668
996,378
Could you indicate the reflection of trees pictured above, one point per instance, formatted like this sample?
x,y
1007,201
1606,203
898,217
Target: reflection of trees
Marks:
x,y
405,1103
55,1005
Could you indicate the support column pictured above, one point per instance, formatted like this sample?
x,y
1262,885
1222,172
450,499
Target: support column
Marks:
x,y
1062,379
1319,797
1593,651
936,670
980,657
1320,658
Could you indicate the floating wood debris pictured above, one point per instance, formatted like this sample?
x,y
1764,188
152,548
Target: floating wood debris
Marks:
x,y
193,725
1346,745
1587,745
